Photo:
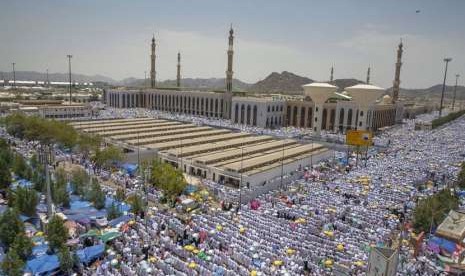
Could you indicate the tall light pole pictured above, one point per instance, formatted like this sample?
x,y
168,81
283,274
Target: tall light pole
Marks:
x,y
446,60
47,81
240,182
282,167
69,65
455,90
14,75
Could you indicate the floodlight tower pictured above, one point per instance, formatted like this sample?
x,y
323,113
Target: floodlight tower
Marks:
x,y
446,60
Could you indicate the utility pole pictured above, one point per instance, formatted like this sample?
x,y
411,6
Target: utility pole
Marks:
x,y
69,65
446,60
145,79
46,158
240,182
282,167
455,90
47,81
14,75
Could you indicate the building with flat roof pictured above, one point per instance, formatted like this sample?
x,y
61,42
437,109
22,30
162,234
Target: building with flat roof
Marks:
x,y
320,107
221,155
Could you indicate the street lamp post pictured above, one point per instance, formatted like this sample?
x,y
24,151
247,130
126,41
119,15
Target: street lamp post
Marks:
x,y
69,65
446,60
240,182
455,91
14,75
282,167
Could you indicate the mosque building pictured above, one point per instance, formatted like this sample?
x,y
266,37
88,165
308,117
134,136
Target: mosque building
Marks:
x,y
321,107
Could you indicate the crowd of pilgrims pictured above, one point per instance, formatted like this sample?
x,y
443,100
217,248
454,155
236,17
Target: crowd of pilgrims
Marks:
x,y
311,227
314,225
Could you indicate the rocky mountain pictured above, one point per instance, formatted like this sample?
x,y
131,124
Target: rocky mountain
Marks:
x,y
285,83
290,83
433,92
39,76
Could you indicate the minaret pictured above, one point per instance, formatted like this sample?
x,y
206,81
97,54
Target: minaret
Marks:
x,y
368,75
229,78
229,72
152,64
178,76
396,84
331,78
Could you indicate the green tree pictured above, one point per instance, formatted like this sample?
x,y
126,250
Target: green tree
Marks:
x,y
79,181
38,178
108,156
167,178
25,200
137,204
88,143
20,166
431,211
22,245
96,195
120,195
60,194
113,212
461,177
5,152
57,234
66,260
10,226
12,265
5,175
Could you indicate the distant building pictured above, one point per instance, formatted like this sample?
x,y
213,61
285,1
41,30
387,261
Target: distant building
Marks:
x,y
359,107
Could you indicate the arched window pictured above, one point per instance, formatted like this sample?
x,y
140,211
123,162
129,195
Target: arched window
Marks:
x,y
236,113
332,118
254,117
288,115
242,113
323,118
248,114
294,117
349,119
309,116
216,107
302,116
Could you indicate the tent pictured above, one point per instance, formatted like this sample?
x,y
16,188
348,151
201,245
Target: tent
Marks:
x,y
444,244
108,236
39,250
23,183
43,265
90,253
130,168
116,221
90,233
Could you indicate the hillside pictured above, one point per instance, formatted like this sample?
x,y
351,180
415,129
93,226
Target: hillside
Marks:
x,y
285,83
433,92
39,76
197,83
290,83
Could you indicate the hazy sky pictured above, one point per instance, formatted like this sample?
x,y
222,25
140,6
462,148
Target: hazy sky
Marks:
x,y
112,37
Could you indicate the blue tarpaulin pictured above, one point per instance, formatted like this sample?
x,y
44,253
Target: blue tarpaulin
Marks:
x,y
190,189
116,221
23,183
39,250
444,244
122,206
129,168
43,265
90,253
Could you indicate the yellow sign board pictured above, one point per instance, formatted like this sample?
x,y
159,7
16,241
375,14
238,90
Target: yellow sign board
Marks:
x,y
359,138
